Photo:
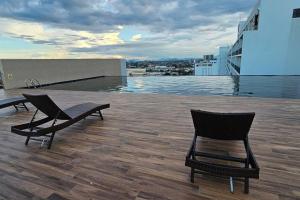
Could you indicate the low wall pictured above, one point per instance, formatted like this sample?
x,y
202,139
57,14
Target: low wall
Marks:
x,y
15,72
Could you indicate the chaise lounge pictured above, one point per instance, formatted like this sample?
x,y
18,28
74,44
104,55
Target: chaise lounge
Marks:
x,y
17,102
44,103
223,126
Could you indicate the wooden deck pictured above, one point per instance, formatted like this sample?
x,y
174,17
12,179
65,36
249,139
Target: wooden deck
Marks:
x,y
138,151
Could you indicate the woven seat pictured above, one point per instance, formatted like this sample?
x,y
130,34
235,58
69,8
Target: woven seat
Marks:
x,y
222,126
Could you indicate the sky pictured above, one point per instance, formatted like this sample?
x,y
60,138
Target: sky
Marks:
x,y
130,29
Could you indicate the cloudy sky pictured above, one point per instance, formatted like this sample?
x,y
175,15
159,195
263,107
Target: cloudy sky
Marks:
x,y
142,29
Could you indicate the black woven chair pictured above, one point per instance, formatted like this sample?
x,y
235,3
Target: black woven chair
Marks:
x,y
223,126
17,102
33,129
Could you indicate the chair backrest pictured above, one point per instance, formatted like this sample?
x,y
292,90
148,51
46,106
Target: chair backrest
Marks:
x,y
222,126
47,106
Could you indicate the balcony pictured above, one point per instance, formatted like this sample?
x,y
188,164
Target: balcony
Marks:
x,y
237,52
252,21
234,66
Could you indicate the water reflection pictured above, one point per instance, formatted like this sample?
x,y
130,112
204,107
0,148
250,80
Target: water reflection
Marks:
x,y
259,86
268,86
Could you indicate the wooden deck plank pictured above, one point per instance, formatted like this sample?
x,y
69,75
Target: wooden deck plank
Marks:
x,y
138,151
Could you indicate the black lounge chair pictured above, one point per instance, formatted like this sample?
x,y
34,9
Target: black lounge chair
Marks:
x,y
223,126
32,130
17,102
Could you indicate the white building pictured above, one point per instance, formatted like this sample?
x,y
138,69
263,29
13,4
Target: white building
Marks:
x,y
207,67
162,68
268,41
136,72
222,61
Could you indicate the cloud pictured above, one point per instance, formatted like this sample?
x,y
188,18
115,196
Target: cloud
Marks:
x,y
181,44
136,37
41,34
169,28
104,15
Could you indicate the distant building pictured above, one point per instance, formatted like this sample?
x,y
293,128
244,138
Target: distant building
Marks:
x,y
206,67
208,57
163,68
222,61
268,42
136,72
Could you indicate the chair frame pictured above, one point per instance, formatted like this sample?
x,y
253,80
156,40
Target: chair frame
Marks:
x,y
251,169
32,130
33,125
17,104
20,105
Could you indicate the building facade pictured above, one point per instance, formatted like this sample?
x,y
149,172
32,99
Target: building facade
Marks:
x,y
268,42
222,61
206,67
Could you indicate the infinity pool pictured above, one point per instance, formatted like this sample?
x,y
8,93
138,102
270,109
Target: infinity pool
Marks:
x,y
258,86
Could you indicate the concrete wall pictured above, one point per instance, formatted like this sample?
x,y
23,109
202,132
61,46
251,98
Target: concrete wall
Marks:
x,y
16,71
293,53
222,61
274,48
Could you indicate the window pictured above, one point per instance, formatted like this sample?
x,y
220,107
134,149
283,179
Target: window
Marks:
x,y
256,20
296,13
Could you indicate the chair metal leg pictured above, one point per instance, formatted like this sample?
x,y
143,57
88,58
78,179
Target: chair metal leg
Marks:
x,y
246,186
231,184
44,141
27,140
16,108
51,139
247,148
101,116
25,106
192,174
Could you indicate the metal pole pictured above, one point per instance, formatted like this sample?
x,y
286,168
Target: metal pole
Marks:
x,y
231,184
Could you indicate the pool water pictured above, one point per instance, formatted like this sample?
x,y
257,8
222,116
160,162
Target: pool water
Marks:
x,y
258,86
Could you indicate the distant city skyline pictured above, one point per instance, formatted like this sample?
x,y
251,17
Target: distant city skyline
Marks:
x,y
118,28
